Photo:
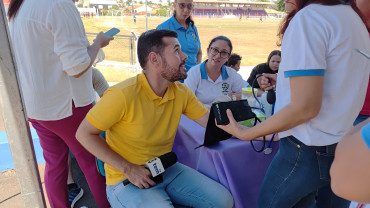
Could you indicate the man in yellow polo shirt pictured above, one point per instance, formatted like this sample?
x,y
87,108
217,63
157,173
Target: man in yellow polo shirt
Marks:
x,y
140,116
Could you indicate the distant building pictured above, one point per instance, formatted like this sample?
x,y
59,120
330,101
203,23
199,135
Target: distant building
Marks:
x,y
274,13
140,10
221,8
102,4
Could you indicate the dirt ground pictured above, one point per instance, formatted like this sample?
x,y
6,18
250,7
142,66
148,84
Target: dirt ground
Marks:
x,y
12,196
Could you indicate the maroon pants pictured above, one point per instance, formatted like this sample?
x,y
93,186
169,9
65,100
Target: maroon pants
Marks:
x,y
56,138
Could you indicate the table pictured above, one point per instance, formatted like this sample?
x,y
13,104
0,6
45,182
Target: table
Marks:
x,y
233,162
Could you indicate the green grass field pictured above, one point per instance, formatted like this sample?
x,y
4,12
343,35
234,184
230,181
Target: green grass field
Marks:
x,y
251,39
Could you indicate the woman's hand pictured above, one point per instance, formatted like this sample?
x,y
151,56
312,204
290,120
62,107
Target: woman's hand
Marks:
x,y
234,128
264,82
102,40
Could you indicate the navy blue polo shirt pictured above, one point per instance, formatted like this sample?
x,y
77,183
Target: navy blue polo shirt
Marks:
x,y
188,38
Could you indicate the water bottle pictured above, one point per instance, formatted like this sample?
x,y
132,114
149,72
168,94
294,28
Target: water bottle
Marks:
x,y
247,94
266,106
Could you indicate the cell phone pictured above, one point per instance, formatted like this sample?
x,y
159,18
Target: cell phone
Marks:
x,y
112,32
240,109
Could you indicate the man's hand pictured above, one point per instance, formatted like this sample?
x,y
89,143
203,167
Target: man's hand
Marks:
x,y
264,82
139,176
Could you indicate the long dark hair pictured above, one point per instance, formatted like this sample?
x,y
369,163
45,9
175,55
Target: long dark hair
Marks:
x,y
188,20
14,7
273,53
300,4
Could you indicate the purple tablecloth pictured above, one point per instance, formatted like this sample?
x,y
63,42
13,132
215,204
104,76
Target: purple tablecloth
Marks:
x,y
233,162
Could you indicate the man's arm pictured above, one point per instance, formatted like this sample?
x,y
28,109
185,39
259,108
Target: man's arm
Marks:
x,y
88,136
203,120
350,170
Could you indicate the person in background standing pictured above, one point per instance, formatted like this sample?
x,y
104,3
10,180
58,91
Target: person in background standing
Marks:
x,y
54,58
182,23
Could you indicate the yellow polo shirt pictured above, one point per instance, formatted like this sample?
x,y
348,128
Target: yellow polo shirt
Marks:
x,y
139,124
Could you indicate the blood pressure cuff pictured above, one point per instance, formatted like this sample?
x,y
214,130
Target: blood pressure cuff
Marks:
x,y
241,111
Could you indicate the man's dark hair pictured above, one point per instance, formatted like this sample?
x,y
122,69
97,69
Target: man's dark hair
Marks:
x,y
233,60
151,41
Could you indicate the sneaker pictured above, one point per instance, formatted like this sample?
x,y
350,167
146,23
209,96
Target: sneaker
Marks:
x,y
75,193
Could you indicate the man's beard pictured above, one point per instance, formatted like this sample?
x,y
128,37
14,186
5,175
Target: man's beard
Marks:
x,y
173,74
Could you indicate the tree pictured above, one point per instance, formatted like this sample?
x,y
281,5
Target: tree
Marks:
x,y
280,5
80,4
161,12
115,7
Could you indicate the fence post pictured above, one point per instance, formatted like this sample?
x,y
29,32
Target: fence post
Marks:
x,y
136,39
131,50
16,125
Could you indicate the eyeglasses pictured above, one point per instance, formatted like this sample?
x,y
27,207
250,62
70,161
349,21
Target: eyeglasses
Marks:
x,y
223,54
183,5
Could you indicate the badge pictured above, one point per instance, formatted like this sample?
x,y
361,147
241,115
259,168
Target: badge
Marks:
x,y
194,36
225,88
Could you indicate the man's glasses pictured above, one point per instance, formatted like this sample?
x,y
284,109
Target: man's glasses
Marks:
x,y
183,5
223,54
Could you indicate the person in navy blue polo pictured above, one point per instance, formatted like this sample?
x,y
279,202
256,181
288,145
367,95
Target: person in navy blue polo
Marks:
x,y
187,32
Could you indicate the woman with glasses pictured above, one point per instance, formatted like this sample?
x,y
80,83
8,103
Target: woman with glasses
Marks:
x,y
212,79
187,32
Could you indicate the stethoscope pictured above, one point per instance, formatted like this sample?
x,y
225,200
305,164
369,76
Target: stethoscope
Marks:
x,y
268,149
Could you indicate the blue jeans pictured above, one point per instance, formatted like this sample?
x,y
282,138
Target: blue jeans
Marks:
x,y
295,174
181,186
360,118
